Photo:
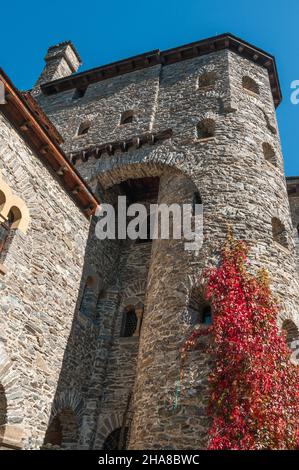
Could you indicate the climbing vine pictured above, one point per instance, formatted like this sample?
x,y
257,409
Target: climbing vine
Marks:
x,y
254,393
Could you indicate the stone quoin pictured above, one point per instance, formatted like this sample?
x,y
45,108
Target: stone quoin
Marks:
x,y
90,330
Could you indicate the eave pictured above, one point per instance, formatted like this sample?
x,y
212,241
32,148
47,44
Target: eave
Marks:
x,y
31,127
155,57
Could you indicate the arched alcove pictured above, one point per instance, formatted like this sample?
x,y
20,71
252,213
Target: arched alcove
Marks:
x,y
116,440
269,153
199,311
63,430
292,332
279,232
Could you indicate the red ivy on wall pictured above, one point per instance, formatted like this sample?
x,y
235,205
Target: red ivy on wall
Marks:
x,y
254,394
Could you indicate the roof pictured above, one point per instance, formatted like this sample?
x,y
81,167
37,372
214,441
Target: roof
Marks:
x,y
170,56
42,137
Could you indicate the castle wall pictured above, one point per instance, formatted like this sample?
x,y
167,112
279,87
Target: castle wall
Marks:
x,y
39,291
102,106
293,190
239,187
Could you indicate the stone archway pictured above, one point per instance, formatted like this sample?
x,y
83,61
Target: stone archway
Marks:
x,y
63,430
65,422
107,427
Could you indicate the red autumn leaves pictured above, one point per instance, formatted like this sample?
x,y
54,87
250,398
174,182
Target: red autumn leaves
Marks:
x,y
254,389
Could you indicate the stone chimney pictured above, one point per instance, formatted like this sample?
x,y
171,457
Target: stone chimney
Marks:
x,y
61,60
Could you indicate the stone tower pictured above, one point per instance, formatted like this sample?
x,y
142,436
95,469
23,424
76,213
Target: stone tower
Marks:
x,y
197,121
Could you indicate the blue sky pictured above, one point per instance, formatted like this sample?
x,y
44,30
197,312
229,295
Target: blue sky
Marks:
x,y
105,31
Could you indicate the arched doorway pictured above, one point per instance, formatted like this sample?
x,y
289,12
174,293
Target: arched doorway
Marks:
x,y
116,440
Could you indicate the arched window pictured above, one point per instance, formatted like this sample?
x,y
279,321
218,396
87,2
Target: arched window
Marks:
x,y
79,93
206,80
116,440
83,128
199,312
63,430
3,411
88,297
206,315
127,117
206,129
269,153
292,332
279,232
249,84
196,199
7,230
130,322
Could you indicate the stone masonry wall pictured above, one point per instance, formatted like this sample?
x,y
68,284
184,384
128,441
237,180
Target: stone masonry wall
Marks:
x,y
239,187
293,190
38,292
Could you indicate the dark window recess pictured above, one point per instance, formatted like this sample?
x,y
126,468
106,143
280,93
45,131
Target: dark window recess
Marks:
x,y
206,315
130,323
249,84
83,128
116,440
79,93
206,129
292,332
127,117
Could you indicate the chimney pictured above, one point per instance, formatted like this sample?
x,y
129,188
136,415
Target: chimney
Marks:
x,y
61,60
